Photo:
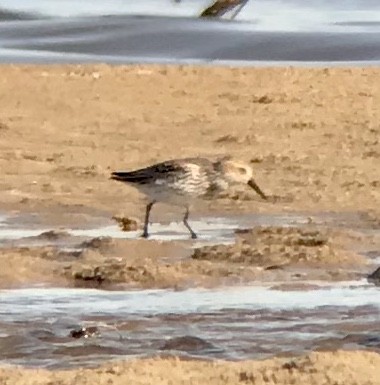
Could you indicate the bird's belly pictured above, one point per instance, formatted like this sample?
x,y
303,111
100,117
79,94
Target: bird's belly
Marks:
x,y
168,195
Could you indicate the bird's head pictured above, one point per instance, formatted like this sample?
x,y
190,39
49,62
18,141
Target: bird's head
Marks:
x,y
240,173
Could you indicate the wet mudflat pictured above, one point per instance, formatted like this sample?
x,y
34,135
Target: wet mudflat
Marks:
x,y
231,323
287,314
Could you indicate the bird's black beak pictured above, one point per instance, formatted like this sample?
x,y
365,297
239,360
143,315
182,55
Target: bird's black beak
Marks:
x,y
252,183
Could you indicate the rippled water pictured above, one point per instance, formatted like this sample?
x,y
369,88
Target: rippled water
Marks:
x,y
232,323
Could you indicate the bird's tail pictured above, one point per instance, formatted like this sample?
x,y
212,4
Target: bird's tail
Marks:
x,y
121,176
128,176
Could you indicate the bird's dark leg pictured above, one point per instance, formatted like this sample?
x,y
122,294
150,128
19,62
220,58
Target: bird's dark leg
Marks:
x,y
146,222
185,218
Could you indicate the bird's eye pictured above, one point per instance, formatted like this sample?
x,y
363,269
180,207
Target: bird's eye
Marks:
x,y
242,170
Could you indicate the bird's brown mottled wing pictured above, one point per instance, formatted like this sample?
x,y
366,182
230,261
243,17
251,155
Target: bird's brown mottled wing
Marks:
x,y
216,180
168,171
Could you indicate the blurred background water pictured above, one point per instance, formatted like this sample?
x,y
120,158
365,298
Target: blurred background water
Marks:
x,y
277,15
121,31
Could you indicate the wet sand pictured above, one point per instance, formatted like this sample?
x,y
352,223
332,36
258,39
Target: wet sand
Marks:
x,y
313,144
284,256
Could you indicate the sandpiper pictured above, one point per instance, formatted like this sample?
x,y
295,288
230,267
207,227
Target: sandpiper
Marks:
x,y
180,181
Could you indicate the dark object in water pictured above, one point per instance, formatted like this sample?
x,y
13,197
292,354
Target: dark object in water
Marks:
x,y
85,332
220,7
187,344
374,277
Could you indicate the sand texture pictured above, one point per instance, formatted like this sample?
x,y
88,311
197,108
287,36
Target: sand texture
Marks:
x,y
312,136
338,368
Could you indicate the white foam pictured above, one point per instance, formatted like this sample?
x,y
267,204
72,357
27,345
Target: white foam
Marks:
x,y
210,230
216,230
36,301
2,220
13,234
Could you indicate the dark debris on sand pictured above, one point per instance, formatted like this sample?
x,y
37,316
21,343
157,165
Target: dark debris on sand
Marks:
x,y
276,246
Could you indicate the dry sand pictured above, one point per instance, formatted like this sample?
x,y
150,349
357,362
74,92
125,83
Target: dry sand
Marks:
x,y
336,368
312,136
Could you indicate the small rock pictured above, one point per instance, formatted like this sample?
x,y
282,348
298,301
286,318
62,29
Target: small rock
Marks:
x,y
90,274
368,340
127,223
53,235
374,277
97,243
85,332
187,344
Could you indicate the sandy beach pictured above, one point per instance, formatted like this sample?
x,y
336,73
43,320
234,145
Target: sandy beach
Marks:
x,y
342,368
311,135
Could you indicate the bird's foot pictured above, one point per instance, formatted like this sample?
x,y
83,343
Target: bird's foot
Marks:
x,y
145,235
194,236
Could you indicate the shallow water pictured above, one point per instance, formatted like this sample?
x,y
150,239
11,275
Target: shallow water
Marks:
x,y
27,229
228,322
210,230
266,32
232,323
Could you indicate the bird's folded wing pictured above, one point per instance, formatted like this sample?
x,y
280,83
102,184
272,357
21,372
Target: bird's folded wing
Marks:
x,y
159,172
